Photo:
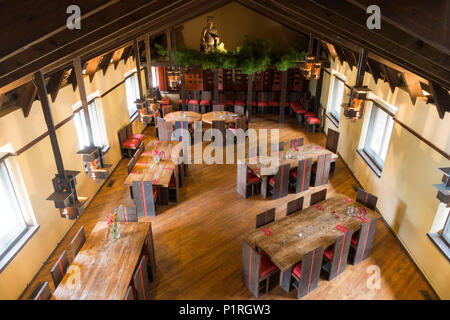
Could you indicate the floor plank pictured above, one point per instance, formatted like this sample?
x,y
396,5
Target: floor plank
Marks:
x,y
198,240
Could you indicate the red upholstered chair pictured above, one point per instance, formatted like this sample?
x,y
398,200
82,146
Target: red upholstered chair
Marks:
x,y
279,183
304,275
144,196
174,186
60,268
41,292
239,109
194,107
263,98
317,197
300,177
312,124
165,101
366,199
205,103
222,99
332,145
77,242
335,256
129,295
218,107
321,170
180,102
265,217
141,282
257,270
361,242
128,214
247,182
165,129
294,206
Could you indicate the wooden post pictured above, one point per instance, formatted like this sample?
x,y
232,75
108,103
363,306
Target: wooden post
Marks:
x,y
137,57
249,96
183,89
283,95
169,45
318,95
174,45
83,97
148,57
362,61
39,82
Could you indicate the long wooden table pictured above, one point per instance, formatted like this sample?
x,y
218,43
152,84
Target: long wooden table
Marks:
x,y
104,267
264,166
226,116
160,174
189,116
303,237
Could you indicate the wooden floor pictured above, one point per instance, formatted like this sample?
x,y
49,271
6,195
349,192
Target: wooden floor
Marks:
x,y
198,240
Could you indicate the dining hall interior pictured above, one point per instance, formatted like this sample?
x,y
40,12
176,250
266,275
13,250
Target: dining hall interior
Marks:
x,y
197,150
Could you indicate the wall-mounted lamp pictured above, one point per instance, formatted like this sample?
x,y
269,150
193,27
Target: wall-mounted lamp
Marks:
x,y
354,109
96,168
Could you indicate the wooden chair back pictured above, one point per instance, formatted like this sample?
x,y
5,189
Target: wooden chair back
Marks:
x,y
141,282
143,198
318,196
219,125
323,169
240,110
340,255
41,292
294,206
129,295
218,107
276,148
241,185
175,190
165,130
332,140
198,131
165,110
294,143
281,181
240,123
78,241
365,239
206,95
194,107
128,214
150,253
366,199
181,130
60,268
265,217
303,175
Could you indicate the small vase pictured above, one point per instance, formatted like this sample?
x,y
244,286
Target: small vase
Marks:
x,y
114,231
157,159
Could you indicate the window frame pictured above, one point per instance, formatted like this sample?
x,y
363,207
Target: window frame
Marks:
x,y
8,253
332,107
446,225
388,126
132,76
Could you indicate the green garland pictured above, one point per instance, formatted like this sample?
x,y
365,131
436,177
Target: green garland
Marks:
x,y
253,56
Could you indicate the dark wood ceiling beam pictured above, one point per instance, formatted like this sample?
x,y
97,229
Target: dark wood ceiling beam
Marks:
x,y
54,83
441,99
413,86
127,53
313,17
148,63
26,94
72,80
154,19
106,61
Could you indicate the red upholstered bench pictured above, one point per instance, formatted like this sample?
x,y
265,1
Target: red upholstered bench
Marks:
x,y
205,103
239,103
180,102
165,101
193,101
137,136
130,143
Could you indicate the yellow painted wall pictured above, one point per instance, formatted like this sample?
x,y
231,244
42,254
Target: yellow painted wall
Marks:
x,y
37,167
406,198
234,21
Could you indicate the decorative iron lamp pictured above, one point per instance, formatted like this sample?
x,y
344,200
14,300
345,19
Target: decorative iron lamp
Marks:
x,y
94,163
354,109
65,196
174,78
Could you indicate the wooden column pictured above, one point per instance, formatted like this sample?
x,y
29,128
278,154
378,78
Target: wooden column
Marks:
x,y
83,97
39,82
362,61
148,57
137,58
250,96
318,95
283,95
169,45
183,90
174,45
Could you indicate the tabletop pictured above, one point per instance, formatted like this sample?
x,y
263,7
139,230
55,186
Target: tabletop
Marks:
x,y
266,165
189,116
159,173
317,224
104,267
219,115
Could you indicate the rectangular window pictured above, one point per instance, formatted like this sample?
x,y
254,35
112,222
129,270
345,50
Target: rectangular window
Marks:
x,y
336,98
378,135
97,125
446,232
155,78
12,222
132,91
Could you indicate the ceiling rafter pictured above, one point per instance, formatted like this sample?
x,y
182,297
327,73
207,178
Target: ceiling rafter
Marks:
x,y
26,94
54,83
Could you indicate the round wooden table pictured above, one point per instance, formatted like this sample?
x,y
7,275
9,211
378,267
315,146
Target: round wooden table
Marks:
x,y
183,116
219,115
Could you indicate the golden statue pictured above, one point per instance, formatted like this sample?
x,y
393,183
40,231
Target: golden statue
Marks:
x,y
210,36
